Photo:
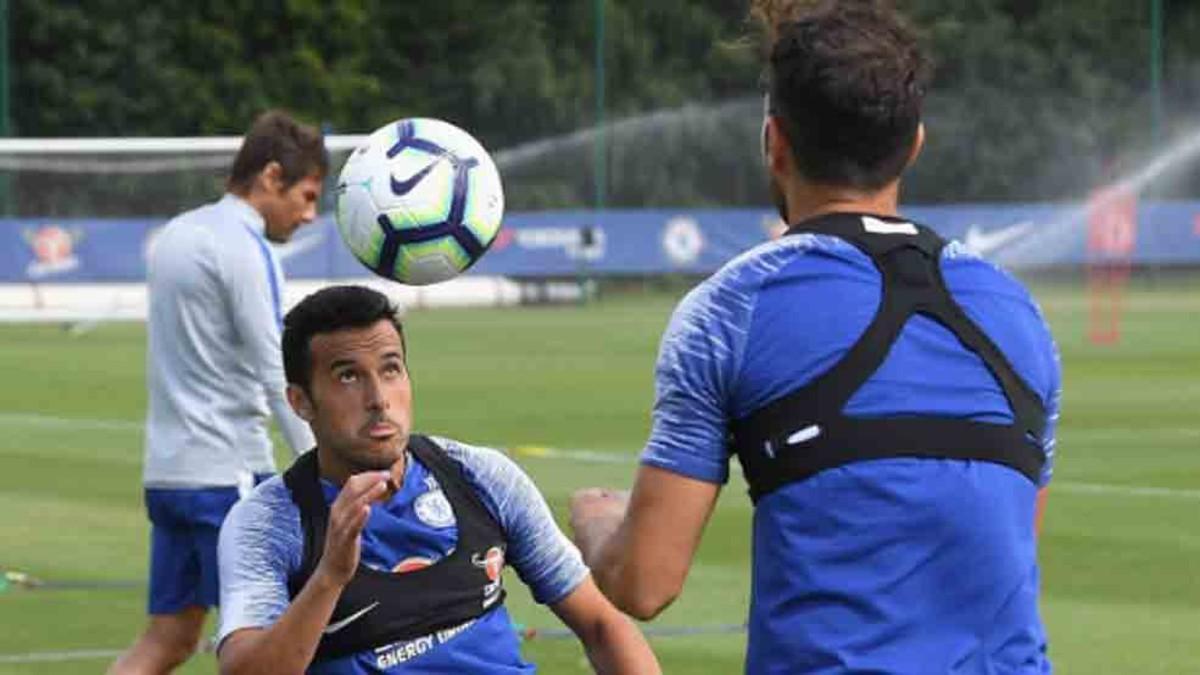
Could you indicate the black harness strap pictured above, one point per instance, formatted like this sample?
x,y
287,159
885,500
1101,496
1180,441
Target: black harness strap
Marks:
x,y
805,432
460,587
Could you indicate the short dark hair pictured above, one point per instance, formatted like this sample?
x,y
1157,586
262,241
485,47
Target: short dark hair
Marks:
x,y
277,137
330,310
846,79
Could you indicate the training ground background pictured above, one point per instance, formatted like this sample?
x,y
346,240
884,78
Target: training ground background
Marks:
x,y
1119,552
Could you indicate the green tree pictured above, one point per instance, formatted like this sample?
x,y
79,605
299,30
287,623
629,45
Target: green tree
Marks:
x,y
1031,100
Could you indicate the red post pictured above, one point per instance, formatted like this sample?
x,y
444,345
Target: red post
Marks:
x,y
1112,236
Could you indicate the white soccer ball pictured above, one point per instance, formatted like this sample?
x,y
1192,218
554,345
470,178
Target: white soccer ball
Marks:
x,y
419,202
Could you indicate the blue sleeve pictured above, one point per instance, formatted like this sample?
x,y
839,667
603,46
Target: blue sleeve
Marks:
x,y
1053,402
261,542
697,362
543,557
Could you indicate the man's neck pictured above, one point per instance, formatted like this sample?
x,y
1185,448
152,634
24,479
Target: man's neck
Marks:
x,y
252,198
808,200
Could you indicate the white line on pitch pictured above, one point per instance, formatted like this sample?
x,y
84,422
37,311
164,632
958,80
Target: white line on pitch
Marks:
x,y
64,655
78,423
1124,490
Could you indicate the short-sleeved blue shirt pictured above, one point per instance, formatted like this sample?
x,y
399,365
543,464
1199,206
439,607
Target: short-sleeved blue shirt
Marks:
x,y
262,545
900,565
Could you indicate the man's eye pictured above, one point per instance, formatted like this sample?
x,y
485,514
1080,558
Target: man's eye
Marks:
x,y
347,376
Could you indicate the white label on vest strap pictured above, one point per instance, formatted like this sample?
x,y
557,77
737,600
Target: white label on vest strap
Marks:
x,y
878,226
806,434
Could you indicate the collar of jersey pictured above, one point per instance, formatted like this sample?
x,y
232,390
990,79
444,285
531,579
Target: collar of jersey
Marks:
x,y
247,215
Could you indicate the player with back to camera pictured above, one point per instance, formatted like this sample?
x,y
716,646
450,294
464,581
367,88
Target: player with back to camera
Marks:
x,y
381,551
215,373
891,397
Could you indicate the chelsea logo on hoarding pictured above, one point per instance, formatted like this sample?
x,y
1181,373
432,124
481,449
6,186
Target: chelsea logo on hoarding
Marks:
x,y
434,509
682,240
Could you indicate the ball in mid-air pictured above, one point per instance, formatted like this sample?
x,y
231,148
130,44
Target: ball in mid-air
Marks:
x,y
419,202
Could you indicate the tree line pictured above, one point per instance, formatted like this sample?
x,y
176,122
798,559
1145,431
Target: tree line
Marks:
x,y
1031,100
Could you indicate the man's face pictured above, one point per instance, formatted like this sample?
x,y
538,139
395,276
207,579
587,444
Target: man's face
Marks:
x,y
287,208
359,402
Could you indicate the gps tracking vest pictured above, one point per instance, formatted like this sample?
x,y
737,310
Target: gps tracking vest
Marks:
x,y
805,432
380,607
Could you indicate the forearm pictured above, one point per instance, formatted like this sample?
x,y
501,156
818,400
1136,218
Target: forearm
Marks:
x,y
636,586
294,430
601,542
640,553
289,645
616,646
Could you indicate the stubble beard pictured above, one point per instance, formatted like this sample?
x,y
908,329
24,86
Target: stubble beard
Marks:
x,y
360,453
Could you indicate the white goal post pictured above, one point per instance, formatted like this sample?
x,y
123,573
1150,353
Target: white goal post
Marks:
x,y
118,177
148,145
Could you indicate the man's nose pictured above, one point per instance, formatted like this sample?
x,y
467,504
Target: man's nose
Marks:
x,y
374,393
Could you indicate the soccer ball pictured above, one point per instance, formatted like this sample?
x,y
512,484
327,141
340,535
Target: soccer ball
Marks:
x,y
419,202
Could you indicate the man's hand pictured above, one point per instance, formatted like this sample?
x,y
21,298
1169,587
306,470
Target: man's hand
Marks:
x,y
595,515
289,644
640,545
347,518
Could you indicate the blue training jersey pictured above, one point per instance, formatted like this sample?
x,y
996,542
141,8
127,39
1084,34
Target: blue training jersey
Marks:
x,y
262,543
899,565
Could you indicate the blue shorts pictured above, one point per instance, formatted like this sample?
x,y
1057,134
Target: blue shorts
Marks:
x,y
183,545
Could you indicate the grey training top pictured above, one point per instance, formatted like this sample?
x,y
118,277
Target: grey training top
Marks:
x,y
214,367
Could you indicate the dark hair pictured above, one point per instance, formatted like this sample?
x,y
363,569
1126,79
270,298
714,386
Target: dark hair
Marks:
x,y
327,311
846,79
277,137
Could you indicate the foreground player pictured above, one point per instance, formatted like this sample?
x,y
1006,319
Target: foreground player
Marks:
x,y
891,398
215,373
382,551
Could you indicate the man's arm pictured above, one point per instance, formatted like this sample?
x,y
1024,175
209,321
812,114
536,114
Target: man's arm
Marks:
x,y
641,547
613,644
288,645
254,289
1039,510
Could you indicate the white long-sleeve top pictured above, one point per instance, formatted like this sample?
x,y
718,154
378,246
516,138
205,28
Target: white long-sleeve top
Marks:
x,y
214,366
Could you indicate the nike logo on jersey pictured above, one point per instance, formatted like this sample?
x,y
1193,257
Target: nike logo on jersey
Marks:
x,y
339,625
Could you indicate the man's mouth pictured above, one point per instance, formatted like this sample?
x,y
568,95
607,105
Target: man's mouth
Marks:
x,y
382,430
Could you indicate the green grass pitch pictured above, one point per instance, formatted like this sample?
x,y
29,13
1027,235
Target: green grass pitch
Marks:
x,y
1119,550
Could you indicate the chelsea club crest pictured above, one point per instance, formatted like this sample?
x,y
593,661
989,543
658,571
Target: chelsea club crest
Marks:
x,y
434,509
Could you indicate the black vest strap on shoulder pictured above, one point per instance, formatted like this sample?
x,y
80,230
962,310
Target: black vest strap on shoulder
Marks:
x,y
805,432
379,607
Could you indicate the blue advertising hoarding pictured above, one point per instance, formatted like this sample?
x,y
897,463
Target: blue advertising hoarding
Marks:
x,y
614,242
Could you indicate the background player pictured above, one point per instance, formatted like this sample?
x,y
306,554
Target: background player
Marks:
x,y
214,373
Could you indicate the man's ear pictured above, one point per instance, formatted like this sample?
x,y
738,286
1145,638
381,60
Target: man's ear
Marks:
x,y
271,177
777,149
917,146
301,403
